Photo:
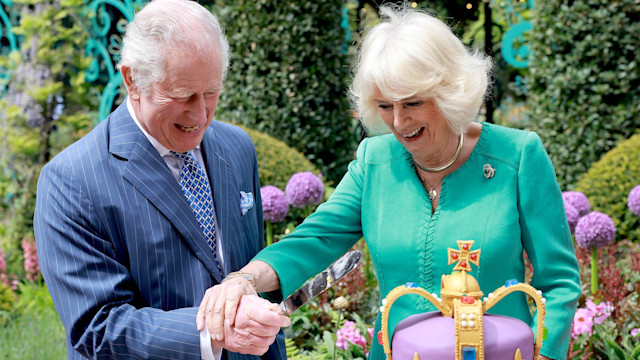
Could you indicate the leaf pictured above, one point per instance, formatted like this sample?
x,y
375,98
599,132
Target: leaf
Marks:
x,y
329,341
613,349
292,349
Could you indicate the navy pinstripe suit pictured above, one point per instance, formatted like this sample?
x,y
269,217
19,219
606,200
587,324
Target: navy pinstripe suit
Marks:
x,y
121,250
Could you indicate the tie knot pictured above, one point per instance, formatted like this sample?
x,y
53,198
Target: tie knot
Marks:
x,y
184,156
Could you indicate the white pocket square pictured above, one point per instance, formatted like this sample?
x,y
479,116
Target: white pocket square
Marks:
x,y
246,202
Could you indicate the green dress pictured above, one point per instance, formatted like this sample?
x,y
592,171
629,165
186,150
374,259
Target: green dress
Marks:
x,y
381,198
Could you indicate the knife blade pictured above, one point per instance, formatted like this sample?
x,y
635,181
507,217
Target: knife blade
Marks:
x,y
321,282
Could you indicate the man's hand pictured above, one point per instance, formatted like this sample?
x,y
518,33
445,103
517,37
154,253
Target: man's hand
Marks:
x,y
219,304
256,325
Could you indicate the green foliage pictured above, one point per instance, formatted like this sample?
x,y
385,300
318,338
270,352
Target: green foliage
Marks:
x,y
31,328
606,345
288,77
33,298
7,299
608,183
619,275
44,108
314,326
325,347
276,160
585,81
292,349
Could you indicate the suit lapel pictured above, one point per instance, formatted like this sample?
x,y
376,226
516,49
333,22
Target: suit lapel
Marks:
x,y
226,196
149,174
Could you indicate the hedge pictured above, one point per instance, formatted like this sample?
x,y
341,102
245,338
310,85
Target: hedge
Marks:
x,y
288,77
585,82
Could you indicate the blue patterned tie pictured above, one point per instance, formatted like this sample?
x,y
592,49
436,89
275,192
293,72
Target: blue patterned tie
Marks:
x,y
195,187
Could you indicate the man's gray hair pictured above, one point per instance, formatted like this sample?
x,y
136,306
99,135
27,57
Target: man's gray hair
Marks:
x,y
165,26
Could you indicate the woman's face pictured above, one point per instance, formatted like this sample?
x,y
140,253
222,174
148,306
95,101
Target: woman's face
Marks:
x,y
415,121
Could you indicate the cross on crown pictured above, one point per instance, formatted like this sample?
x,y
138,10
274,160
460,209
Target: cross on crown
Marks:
x,y
463,257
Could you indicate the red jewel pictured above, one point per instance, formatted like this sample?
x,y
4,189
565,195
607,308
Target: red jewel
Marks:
x,y
454,256
465,246
463,263
380,341
467,300
474,257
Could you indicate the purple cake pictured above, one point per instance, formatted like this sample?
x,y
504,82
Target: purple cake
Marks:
x,y
461,328
432,336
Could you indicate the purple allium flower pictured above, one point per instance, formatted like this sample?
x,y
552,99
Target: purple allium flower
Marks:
x,y
582,322
274,204
634,332
304,188
578,200
633,201
595,230
572,216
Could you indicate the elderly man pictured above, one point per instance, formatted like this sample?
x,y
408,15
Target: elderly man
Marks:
x,y
157,204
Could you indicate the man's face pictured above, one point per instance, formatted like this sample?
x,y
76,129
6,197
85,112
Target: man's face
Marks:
x,y
178,110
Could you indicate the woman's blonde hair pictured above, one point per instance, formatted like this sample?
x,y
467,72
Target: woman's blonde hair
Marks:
x,y
411,53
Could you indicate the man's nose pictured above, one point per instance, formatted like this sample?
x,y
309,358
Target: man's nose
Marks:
x,y
199,107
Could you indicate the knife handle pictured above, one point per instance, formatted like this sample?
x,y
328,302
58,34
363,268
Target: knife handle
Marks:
x,y
283,307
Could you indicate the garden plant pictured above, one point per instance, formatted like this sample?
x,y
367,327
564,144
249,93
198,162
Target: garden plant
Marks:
x,y
288,81
607,322
584,80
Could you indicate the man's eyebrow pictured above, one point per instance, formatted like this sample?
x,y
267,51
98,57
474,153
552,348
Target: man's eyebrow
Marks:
x,y
184,91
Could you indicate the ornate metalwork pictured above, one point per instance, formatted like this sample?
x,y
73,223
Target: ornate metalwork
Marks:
x,y
8,40
514,48
109,18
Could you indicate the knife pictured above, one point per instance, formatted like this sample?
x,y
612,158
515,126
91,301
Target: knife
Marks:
x,y
321,282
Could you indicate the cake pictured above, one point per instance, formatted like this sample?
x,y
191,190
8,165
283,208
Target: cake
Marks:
x,y
461,329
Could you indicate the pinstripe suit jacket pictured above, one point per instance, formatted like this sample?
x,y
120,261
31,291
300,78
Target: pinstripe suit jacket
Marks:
x,y
120,249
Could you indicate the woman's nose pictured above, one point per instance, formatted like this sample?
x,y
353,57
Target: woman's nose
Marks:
x,y
399,115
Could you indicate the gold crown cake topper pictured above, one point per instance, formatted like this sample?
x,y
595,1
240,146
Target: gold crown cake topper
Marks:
x,y
460,299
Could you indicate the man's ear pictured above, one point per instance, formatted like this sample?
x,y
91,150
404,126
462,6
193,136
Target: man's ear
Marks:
x,y
132,89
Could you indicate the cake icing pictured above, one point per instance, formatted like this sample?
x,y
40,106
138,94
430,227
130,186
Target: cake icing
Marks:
x,y
461,329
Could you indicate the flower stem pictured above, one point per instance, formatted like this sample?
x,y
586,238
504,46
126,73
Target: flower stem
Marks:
x,y
337,325
269,233
594,270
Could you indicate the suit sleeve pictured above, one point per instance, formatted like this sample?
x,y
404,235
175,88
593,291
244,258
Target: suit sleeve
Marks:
x,y
548,243
92,288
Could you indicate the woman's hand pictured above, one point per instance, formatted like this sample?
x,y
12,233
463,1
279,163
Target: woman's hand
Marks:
x,y
219,305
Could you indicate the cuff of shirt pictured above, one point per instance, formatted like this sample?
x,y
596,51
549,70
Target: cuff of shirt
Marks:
x,y
207,352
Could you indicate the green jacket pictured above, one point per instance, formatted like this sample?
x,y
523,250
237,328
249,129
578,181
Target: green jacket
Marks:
x,y
381,198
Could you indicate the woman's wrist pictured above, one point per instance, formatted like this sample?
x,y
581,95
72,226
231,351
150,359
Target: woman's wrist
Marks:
x,y
266,278
242,275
